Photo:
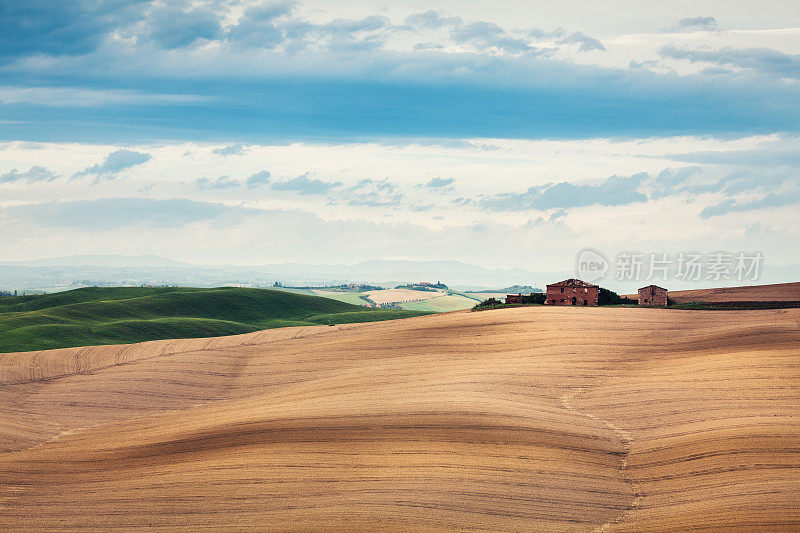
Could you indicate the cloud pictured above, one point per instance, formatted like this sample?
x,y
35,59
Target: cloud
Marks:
x,y
258,179
347,36
483,35
495,97
763,60
114,213
171,27
771,200
348,44
766,168
556,217
83,97
538,33
256,27
372,193
291,78
62,28
753,157
273,25
643,65
430,20
33,175
303,184
673,180
587,43
439,183
223,182
233,149
115,163
695,24
369,23
428,46
616,190
745,180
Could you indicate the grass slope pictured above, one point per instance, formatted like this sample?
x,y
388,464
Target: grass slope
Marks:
x,y
114,315
347,297
442,304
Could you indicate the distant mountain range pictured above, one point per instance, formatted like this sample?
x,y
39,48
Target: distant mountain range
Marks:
x,y
119,261
75,271
82,270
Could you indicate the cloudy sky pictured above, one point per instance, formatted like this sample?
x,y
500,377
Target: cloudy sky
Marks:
x,y
504,134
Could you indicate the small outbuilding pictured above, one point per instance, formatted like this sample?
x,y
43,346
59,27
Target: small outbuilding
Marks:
x,y
514,298
572,292
653,296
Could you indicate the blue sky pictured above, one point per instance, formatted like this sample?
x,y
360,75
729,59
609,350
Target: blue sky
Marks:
x,y
426,130
133,71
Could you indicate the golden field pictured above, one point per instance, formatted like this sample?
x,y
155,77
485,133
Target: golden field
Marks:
x,y
776,292
537,418
387,296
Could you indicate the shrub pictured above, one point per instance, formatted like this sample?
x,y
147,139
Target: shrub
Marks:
x,y
608,297
535,298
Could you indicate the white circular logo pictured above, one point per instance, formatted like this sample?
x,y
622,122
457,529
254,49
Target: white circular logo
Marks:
x,y
591,265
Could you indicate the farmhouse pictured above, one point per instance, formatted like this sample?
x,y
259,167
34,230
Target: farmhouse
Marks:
x,y
652,296
572,292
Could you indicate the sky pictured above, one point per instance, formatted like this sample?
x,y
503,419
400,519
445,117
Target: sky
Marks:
x,y
502,134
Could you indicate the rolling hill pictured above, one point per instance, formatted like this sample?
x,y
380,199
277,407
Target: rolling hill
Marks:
x,y
113,315
525,419
442,304
777,292
772,295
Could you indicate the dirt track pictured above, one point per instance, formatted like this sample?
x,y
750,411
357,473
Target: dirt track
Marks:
x,y
514,419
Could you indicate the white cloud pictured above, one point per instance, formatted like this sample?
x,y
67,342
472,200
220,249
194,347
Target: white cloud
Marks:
x,y
33,175
349,208
232,149
114,163
82,97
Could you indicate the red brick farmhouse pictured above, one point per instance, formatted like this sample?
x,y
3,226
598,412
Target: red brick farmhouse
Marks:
x,y
652,296
572,292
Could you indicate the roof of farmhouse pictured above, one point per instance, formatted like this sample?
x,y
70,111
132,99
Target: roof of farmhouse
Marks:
x,y
572,282
656,286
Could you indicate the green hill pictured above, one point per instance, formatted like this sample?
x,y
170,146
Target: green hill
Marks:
x,y
115,315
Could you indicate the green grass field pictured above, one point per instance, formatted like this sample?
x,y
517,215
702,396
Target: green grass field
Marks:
x,y
342,296
115,315
347,297
442,304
